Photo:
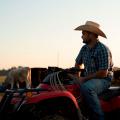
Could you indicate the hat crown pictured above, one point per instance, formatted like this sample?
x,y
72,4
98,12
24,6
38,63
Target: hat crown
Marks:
x,y
94,24
92,27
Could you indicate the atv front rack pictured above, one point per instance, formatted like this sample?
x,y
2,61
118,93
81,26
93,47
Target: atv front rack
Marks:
x,y
10,94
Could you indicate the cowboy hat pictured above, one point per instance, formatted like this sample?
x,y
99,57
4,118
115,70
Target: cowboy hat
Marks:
x,y
92,27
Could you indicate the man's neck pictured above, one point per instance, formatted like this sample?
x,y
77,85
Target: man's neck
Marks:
x,y
93,43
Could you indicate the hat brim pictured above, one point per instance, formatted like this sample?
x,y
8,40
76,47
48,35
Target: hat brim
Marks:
x,y
91,29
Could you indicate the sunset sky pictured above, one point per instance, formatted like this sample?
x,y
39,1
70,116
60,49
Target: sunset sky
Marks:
x,y
40,33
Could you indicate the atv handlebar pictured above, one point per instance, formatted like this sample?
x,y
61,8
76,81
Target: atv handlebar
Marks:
x,y
22,90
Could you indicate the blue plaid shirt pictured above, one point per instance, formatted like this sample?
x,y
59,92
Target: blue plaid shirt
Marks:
x,y
97,58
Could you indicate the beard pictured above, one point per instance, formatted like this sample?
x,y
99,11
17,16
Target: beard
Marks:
x,y
87,41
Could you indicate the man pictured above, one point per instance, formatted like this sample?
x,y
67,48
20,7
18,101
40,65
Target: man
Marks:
x,y
97,61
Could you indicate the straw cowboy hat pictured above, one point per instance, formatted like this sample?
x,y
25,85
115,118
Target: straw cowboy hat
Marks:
x,y
92,27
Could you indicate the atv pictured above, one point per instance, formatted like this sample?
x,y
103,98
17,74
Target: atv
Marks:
x,y
66,80
57,97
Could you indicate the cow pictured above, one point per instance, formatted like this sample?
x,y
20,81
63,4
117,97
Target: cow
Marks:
x,y
17,76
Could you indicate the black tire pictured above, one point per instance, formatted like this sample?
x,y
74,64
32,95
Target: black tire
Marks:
x,y
53,117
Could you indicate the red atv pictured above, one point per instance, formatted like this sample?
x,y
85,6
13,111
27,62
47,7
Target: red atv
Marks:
x,y
57,98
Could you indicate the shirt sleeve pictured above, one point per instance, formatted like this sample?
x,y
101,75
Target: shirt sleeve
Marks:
x,y
79,57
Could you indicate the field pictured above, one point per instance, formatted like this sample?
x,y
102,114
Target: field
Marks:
x,y
115,82
2,78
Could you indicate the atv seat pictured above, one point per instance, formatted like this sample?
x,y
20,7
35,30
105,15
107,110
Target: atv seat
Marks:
x,y
110,93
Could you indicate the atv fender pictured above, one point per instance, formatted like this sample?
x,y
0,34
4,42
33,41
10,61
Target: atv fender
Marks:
x,y
55,99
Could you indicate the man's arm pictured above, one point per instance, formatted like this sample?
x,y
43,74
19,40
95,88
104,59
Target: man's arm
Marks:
x,y
80,66
98,74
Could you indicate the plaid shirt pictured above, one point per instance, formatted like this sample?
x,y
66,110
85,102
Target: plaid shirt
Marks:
x,y
97,58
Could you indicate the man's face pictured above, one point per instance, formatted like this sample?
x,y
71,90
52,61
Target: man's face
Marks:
x,y
86,37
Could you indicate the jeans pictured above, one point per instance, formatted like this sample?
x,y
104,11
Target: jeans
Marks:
x,y
90,91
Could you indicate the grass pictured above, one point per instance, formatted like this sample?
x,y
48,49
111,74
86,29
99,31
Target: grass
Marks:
x,y
116,82
2,78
